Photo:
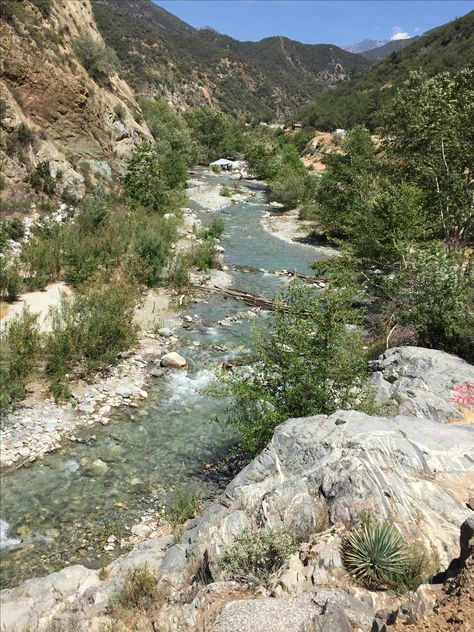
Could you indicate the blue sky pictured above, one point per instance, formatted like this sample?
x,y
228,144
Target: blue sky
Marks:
x,y
318,21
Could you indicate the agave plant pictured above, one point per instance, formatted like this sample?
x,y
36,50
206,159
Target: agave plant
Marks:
x,y
376,553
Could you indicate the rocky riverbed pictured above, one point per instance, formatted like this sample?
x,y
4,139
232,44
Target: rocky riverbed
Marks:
x,y
316,476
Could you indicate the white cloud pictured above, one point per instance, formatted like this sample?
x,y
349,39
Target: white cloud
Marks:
x,y
398,34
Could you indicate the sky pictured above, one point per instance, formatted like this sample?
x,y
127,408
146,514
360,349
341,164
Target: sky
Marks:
x,y
340,22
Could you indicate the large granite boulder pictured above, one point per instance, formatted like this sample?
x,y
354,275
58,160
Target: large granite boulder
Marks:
x,y
424,383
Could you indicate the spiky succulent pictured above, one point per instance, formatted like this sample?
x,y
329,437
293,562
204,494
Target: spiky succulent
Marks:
x,y
375,553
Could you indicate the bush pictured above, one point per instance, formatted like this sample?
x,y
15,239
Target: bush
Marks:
x,y
310,360
89,331
42,258
99,60
120,111
225,191
186,505
153,250
377,554
20,344
256,554
203,256
19,138
139,590
11,229
41,179
434,296
10,281
178,277
215,229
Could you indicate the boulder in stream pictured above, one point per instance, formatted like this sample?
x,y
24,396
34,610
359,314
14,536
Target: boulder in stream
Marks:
x,y
173,360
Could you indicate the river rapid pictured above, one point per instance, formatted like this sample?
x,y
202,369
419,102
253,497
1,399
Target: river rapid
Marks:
x,y
61,510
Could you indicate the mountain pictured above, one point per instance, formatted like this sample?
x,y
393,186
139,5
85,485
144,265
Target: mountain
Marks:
x,y
161,55
59,127
446,48
386,49
364,45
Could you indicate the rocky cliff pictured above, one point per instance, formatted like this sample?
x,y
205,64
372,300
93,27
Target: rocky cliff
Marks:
x,y
316,477
60,128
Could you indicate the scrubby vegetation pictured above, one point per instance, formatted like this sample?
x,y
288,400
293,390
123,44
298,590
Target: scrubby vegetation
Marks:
x,y
309,359
139,592
257,553
378,555
99,60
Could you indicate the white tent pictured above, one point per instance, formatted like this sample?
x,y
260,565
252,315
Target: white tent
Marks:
x,y
223,163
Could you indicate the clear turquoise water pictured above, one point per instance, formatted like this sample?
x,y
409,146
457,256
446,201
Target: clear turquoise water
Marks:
x,y
61,508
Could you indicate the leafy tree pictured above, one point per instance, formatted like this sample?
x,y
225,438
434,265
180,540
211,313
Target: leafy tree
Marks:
x,y
346,181
429,138
308,363
145,182
383,229
434,296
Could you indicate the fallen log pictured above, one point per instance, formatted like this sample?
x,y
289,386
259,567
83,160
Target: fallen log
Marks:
x,y
246,297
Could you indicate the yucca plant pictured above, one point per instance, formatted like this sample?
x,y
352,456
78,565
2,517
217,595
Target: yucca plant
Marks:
x,y
376,553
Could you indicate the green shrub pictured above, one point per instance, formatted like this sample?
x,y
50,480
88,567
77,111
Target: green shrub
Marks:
x,y
214,229
88,332
120,111
11,281
19,138
42,258
225,191
139,590
99,60
377,554
203,256
257,553
41,179
310,359
434,296
185,505
178,277
11,229
153,250
20,344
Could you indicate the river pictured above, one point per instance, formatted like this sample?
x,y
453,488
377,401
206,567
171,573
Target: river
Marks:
x,y
59,511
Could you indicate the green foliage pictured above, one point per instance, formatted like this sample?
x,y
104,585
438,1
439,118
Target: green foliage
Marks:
x,y
41,179
225,191
185,505
11,229
215,229
99,60
344,185
429,135
139,590
178,276
203,255
152,173
257,553
377,554
310,361
20,138
120,111
88,331
216,134
434,295
20,344
359,100
153,250
10,281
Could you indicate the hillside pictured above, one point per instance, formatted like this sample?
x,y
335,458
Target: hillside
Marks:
x,y
161,55
447,48
60,127
381,52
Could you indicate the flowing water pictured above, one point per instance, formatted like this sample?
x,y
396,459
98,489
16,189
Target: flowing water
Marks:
x,y
60,510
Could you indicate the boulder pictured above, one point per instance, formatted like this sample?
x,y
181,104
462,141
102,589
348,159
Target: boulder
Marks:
x,y
165,332
424,383
173,360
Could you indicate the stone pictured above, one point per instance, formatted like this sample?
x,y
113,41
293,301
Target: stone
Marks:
x,y
173,361
99,466
165,332
86,407
123,391
188,318
155,372
141,530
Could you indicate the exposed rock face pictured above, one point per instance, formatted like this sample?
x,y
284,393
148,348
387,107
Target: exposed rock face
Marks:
x,y
424,383
315,477
76,128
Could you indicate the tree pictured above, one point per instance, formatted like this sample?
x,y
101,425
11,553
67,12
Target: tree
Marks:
x,y
434,296
145,182
346,182
308,362
429,138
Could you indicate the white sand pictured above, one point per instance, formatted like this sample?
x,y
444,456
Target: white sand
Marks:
x,y
38,303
